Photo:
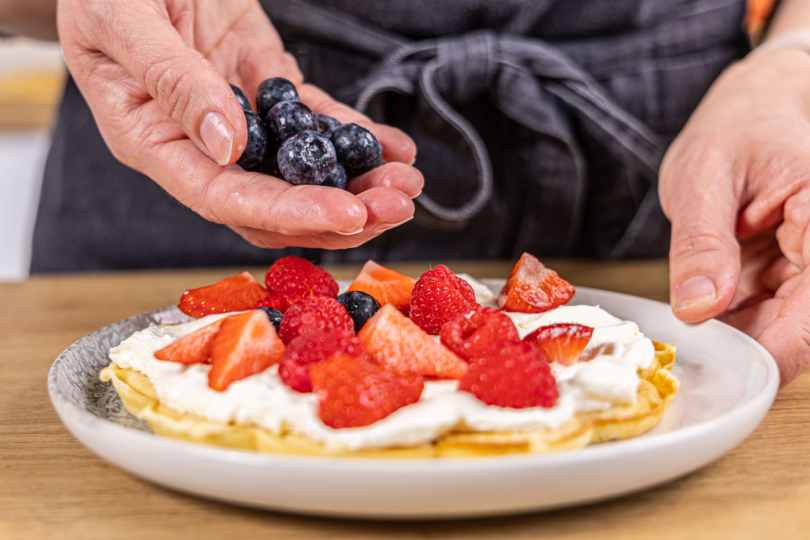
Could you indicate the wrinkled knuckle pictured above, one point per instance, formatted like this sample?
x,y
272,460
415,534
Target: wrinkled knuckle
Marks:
x,y
171,84
699,238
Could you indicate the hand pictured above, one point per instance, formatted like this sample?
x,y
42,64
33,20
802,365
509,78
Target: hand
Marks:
x,y
155,73
736,186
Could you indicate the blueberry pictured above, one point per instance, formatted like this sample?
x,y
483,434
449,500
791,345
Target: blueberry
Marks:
x,y
357,149
361,307
306,158
256,141
242,98
327,125
269,165
274,315
287,118
274,91
337,178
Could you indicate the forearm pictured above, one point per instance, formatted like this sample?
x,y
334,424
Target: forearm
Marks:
x,y
32,18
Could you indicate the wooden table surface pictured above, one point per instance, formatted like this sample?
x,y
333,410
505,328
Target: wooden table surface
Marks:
x,y
52,487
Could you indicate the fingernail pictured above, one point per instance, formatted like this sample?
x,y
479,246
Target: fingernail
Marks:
x,y
217,136
361,229
387,226
695,291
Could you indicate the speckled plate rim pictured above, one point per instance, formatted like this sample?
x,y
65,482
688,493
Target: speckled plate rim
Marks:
x,y
419,489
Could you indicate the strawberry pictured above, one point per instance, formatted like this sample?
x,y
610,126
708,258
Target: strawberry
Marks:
x,y
294,275
236,293
245,345
533,288
437,297
314,313
561,343
354,392
194,348
392,340
304,351
476,331
386,286
281,302
512,374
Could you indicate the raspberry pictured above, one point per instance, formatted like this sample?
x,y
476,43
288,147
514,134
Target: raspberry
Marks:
x,y
475,332
281,302
310,349
514,375
437,297
354,392
294,275
314,313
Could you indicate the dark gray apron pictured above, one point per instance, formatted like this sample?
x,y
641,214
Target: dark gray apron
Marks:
x,y
540,126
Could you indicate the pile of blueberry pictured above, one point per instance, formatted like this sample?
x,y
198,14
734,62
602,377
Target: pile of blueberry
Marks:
x,y
286,139
359,305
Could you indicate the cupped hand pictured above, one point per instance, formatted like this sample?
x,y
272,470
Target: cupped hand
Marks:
x,y
155,74
736,186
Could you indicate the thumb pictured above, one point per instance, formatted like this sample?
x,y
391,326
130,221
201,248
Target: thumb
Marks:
x,y
185,85
704,255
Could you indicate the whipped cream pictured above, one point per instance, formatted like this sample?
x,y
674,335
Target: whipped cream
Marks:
x,y
617,349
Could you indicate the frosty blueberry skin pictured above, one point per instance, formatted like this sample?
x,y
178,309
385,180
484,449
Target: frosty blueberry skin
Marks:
x,y
273,91
306,158
337,178
287,118
256,147
274,315
242,98
327,125
360,306
357,149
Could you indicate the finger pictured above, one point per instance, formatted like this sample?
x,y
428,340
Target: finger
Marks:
x,y
777,273
387,208
397,146
791,234
755,317
397,176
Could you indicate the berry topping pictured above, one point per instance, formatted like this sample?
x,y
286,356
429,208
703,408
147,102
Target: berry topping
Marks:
x,y
241,98
512,374
288,118
195,348
306,158
357,149
533,288
438,296
361,307
386,286
272,91
294,275
337,178
279,302
314,313
327,125
478,330
246,344
236,293
561,343
392,340
354,392
256,142
273,314
310,349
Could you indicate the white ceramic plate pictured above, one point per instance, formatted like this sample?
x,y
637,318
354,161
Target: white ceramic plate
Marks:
x,y
728,383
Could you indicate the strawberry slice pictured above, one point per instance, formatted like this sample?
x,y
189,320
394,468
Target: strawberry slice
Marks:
x,y
194,348
245,345
236,293
354,392
391,339
533,288
562,343
386,286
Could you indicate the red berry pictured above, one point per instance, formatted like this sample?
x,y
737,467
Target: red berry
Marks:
x,y
385,286
533,288
354,392
514,375
195,348
437,297
310,349
314,313
281,302
561,343
236,293
294,275
478,330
